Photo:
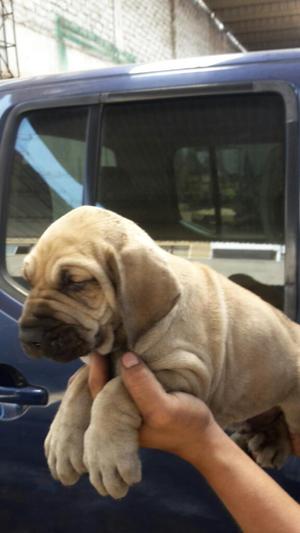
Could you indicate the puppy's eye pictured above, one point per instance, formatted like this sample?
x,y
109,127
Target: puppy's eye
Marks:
x,y
76,286
68,283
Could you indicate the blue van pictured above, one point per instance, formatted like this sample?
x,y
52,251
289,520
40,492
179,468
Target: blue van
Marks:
x,y
204,155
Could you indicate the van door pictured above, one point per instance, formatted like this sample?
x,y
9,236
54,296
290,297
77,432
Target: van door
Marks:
x,y
46,172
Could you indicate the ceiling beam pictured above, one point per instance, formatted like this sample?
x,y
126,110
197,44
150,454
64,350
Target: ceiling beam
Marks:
x,y
260,24
225,4
272,45
285,35
247,13
265,25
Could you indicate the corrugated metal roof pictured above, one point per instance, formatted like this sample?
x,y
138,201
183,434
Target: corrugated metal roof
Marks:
x,y
260,24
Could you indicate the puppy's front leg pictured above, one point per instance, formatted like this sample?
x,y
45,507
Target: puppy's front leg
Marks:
x,y
111,441
64,442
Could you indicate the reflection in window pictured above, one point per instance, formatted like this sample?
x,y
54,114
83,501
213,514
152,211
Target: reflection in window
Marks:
x,y
47,176
36,153
197,171
234,191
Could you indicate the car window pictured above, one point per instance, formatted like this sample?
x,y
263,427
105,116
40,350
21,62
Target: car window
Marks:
x,y
47,176
205,177
232,192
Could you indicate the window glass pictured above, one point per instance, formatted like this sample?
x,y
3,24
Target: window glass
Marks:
x,y
47,176
205,177
108,157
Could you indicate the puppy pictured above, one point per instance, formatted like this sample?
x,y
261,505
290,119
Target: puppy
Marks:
x,y
99,282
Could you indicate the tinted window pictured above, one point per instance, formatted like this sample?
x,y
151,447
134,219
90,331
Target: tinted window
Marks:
x,y
204,176
47,176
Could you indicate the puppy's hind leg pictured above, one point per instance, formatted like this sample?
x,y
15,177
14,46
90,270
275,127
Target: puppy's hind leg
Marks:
x,y
265,438
272,447
291,409
291,405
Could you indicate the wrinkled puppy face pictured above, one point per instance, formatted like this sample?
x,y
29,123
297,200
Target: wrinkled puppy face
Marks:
x,y
97,280
70,310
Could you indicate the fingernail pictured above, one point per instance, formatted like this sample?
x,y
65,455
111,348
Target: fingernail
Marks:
x,y
129,359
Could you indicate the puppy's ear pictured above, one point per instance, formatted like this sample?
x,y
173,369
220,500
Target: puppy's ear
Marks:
x,y
146,289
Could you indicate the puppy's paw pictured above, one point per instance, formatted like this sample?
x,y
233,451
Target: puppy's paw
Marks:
x,y
269,452
241,439
64,450
266,439
112,461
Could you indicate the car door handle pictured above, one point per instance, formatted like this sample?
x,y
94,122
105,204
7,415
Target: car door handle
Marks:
x,y
26,395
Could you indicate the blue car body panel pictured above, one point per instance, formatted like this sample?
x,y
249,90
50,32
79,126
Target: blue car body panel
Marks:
x,y
172,495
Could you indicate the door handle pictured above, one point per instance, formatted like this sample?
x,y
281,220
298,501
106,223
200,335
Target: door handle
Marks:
x,y
26,395
17,395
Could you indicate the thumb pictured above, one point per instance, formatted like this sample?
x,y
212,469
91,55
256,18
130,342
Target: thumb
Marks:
x,y
146,392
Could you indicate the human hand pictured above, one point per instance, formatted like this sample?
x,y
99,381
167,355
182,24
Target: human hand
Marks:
x,y
98,373
175,422
171,422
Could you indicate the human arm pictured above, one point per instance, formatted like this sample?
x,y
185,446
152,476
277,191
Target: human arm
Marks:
x,y
181,424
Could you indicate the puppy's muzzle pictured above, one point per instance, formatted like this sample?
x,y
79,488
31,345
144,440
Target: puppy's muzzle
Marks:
x,y
51,338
